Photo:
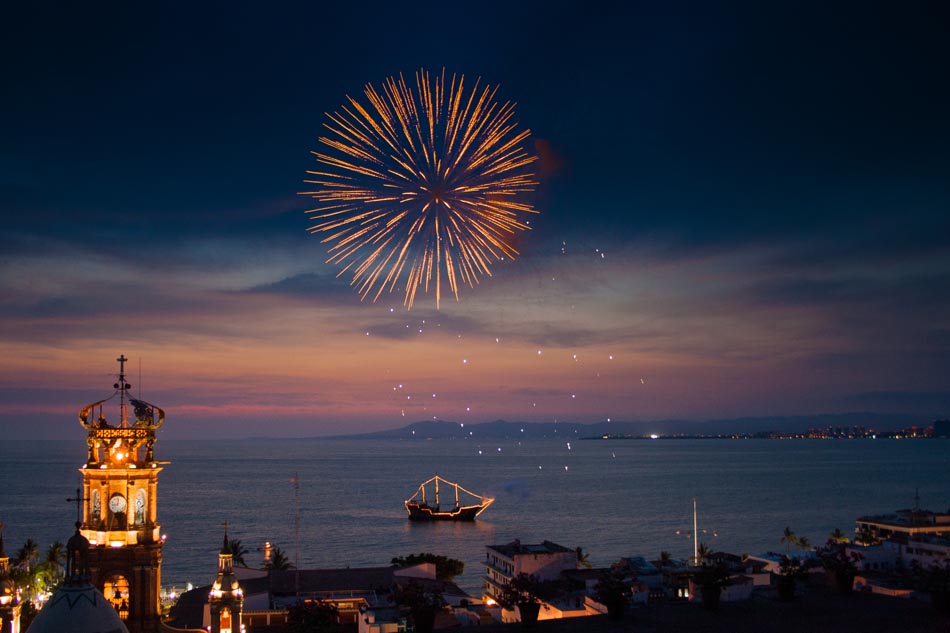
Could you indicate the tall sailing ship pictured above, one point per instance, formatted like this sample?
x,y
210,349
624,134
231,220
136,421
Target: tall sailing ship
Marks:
x,y
420,509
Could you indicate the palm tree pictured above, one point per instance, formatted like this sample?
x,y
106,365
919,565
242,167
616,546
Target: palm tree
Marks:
x,y
804,544
702,553
838,536
27,555
279,561
237,552
25,560
583,560
866,536
51,569
789,539
665,558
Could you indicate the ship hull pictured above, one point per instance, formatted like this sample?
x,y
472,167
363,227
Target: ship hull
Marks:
x,y
422,512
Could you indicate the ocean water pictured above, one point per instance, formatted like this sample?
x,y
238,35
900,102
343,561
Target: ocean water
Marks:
x,y
614,498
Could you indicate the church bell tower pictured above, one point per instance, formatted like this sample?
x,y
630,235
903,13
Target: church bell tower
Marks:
x,y
226,600
120,504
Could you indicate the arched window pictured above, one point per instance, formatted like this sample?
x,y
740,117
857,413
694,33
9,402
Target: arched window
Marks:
x,y
140,500
225,620
116,591
96,506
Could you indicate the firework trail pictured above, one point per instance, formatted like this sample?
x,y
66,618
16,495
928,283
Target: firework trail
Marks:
x,y
417,185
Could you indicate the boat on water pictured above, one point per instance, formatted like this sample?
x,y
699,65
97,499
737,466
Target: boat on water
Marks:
x,y
420,509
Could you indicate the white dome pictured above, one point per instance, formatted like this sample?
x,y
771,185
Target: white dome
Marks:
x,y
77,608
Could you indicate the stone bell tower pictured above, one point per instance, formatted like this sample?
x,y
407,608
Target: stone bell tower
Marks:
x,y
120,504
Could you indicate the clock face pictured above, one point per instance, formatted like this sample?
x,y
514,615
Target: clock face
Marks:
x,y
117,503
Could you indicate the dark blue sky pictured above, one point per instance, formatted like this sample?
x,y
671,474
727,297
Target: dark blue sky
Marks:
x,y
769,181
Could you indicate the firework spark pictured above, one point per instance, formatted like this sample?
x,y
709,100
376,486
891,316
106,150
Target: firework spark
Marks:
x,y
419,184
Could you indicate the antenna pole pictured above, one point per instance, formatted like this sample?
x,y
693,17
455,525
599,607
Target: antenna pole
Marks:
x,y
296,521
695,537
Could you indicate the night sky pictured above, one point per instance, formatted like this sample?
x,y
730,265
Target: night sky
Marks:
x,y
743,212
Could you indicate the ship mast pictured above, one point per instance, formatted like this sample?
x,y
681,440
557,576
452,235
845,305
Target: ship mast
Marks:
x,y
695,537
437,490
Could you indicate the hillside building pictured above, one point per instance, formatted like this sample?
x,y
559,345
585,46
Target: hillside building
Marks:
x,y
545,560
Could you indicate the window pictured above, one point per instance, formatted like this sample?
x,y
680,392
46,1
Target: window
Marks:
x,y
140,507
96,506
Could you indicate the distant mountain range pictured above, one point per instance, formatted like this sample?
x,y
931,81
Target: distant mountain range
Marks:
x,y
500,429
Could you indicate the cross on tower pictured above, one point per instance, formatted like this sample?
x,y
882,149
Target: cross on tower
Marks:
x,y
78,500
122,360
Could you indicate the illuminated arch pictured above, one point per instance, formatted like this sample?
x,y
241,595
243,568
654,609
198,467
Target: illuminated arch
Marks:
x,y
116,591
225,626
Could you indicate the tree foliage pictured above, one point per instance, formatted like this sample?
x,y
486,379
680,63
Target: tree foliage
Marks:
x,y
703,552
838,536
788,539
24,567
583,558
237,551
445,568
51,571
866,536
313,616
279,561
527,588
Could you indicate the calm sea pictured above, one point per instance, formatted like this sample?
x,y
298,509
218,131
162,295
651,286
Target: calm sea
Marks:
x,y
613,498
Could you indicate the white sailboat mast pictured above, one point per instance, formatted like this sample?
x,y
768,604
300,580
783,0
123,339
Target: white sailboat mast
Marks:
x,y
695,537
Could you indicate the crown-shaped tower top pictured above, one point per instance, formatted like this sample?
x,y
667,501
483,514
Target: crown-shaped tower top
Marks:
x,y
128,441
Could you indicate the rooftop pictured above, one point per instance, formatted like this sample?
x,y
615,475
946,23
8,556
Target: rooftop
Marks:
x,y
907,517
817,610
517,548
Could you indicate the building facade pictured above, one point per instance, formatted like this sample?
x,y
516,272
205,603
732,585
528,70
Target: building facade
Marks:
x,y
545,560
904,525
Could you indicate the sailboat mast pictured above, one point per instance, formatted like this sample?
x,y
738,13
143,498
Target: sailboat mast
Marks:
x,y
436,490
695,537
456,495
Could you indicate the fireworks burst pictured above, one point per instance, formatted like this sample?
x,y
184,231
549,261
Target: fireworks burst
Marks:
x,y
422,183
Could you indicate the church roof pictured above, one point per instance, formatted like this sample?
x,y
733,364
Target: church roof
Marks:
x,y
78,608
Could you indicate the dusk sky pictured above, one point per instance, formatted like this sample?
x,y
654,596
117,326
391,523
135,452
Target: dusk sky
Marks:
x,y
743,212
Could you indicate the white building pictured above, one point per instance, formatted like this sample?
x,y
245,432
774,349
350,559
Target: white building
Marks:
x,y
545,560
904,525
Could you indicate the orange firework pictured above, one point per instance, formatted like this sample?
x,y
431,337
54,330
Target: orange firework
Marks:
x,y
422,183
